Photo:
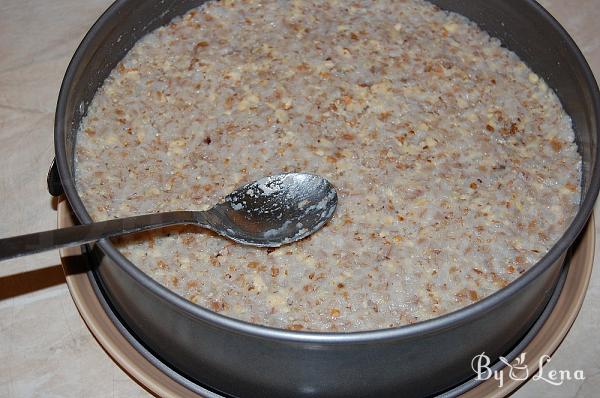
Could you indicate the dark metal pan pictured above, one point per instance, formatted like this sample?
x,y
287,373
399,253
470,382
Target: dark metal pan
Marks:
x,y
240,359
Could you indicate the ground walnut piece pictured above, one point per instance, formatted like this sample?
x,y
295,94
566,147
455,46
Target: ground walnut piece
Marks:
x,y
455,165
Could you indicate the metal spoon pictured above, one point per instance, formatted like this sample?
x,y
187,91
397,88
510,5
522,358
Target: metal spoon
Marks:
x,y
270,212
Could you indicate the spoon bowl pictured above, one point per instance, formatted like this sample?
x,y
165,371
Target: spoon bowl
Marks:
x,y
277,210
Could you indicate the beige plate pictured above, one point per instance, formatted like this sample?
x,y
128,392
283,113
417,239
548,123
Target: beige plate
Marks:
x,y
147,375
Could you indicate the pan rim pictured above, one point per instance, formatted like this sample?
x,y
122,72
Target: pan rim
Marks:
x,y
420,329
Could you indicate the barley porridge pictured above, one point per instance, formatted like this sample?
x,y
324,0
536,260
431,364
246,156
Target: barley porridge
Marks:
x,y
455,164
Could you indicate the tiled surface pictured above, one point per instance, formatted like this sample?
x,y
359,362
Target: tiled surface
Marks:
x,y
45,349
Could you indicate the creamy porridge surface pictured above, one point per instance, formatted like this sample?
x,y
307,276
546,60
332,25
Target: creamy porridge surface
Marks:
x,y
455,165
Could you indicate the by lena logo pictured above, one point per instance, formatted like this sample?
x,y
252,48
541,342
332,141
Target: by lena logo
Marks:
x,y
518,370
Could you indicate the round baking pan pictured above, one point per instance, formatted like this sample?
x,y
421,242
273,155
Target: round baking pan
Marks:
x,y
238,358
542,339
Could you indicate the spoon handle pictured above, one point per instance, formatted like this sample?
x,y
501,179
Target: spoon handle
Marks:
x,y
74,236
